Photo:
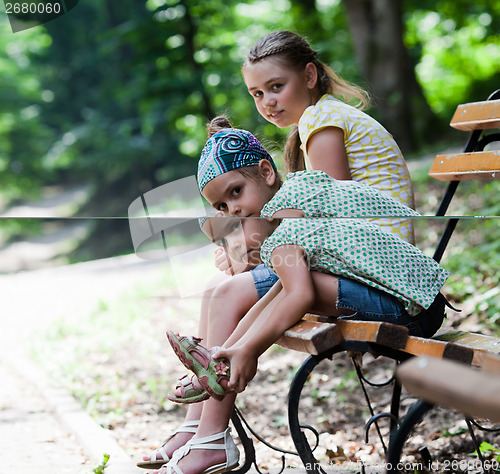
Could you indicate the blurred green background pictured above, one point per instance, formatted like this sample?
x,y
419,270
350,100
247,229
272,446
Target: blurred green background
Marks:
x,y
115,95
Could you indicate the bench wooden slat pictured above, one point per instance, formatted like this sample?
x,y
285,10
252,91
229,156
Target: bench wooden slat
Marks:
x,y
483,165
315,337
419,346
471,391
480,344
390,335
477,116
311,337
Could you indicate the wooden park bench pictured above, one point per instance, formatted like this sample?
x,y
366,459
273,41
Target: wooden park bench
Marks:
x,y
321,338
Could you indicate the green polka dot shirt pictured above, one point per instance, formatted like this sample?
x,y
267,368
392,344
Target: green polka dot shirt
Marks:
x,y
339,239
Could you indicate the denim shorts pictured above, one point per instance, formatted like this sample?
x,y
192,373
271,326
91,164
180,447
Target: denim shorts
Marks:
x,y
371,304
263,278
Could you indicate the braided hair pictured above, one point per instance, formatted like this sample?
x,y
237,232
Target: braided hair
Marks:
x,y
295,52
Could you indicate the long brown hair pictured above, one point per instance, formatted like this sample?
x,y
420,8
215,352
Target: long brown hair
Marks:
x,y
295,52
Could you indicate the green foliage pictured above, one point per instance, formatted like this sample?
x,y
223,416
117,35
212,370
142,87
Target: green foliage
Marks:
x,y
23,135
16,227
458,47
100,469
473,254
349,381
474,257
159,388
489,450
456,431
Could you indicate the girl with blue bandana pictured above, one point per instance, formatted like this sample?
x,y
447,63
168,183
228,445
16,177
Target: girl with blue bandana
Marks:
x,y
328,259
226,300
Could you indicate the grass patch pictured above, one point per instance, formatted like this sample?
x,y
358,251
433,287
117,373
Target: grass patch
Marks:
x,y
473,254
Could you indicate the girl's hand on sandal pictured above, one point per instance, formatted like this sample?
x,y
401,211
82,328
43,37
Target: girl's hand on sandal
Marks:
x,y
243,367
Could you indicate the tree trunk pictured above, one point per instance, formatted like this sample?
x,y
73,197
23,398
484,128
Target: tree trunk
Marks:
x,y
189,37
377,31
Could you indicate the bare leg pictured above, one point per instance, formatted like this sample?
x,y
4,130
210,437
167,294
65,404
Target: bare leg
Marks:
x,y
249,318
214,419
326,294
228,304
211,302
194,410
223,306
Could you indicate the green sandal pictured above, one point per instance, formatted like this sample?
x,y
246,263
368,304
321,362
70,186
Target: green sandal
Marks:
x,y
195,357
190,389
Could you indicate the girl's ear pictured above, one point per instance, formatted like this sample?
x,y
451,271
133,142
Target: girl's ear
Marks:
x,y
267,172
311,75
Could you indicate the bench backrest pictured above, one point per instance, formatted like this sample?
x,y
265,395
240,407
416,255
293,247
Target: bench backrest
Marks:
x,y
474,162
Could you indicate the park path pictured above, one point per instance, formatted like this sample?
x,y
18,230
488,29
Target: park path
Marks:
x,y
32,439
42,428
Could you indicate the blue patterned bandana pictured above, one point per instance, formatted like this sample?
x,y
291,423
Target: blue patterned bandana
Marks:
x,y
227,150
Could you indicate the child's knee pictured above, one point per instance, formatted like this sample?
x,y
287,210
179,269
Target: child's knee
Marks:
x,y
234,296
213,283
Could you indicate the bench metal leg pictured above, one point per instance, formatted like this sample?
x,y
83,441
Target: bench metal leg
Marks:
x,y
247,443
398,437
302,445
395,402
393,415
299,438
414,416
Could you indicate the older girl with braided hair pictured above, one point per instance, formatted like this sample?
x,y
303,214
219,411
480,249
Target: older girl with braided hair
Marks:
x,y
292,87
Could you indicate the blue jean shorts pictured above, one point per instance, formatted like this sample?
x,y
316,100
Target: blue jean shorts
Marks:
x,y
371,304
263,278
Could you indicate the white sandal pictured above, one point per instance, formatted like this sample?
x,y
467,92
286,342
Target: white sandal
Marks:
x,y
159,456
232,453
